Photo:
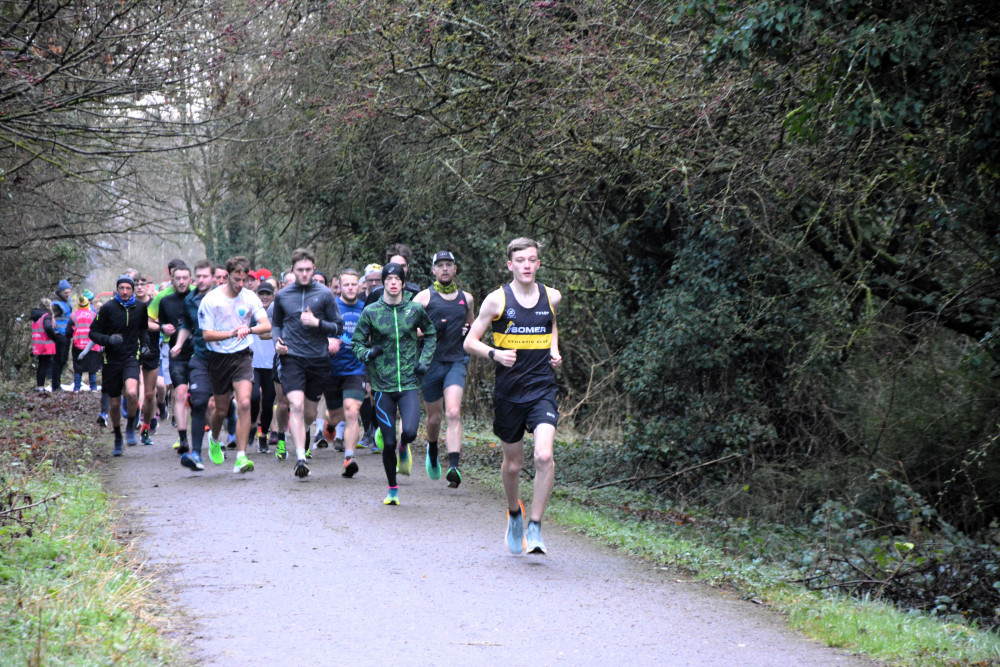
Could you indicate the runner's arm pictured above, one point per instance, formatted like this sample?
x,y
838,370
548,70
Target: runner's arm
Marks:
x,y
555,298
492,307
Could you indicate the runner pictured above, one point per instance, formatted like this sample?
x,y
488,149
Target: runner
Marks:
x,y
399,253
224,317
373,279
262,396
305,316
149,360
386,340
166,317
220,275
345,385
199,384
526,352
120,328
452,311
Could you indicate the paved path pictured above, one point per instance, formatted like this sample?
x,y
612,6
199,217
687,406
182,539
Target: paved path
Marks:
x,y
266,569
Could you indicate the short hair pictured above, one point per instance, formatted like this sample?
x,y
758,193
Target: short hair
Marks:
x,y
46,304
216,267
400,249
204,264
173,264
300,254
349,272
140,276
131,273
522,243
238,263
182,266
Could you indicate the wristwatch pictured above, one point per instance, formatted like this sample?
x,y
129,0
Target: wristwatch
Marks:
x,y
492,352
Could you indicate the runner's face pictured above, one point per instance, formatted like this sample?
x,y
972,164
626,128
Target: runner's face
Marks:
x,y
141,286
124,291
524,264
399,259
220,276
374,280
181,280
445,271
236,280
203,279
335,286
348,288
266,298
319,279
393,285
304,271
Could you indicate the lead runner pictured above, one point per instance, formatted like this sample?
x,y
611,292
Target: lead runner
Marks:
x,y
525,352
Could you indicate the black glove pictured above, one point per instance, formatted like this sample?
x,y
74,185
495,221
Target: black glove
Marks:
x,y
114,340
374,353
422,369
59,338
144,350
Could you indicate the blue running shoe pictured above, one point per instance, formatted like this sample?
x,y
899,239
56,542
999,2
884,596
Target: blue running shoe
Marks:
x,y
433,471
193,461
130,435
392,498
533,539
117,451
515,531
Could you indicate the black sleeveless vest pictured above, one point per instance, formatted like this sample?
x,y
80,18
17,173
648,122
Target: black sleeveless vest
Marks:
x,y
529,331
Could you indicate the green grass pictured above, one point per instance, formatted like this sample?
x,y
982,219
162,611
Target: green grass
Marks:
x,y
71,592
876,629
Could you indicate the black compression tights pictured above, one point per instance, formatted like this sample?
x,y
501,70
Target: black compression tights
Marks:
x,y
407,403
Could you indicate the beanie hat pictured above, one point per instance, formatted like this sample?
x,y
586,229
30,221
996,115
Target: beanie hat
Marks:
x,y
393,269
372,268
125,278
87,293
82,302
64,284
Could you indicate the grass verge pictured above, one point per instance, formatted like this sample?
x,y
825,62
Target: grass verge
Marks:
x,y
70,592
691,548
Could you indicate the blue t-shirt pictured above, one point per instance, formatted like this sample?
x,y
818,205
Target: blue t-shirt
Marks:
x,y
344,362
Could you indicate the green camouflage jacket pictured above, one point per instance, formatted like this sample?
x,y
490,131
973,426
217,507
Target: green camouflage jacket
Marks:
x,y
395,329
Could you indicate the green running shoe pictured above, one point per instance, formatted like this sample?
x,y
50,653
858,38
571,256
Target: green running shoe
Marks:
x,y
433,471
379,442
215,451
392,498
404,461
309,453
279,451
243,464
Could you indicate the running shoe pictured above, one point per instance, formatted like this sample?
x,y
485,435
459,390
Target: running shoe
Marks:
x,y
176,445
163,410
102,419
533,538
272,440
379,442
515,531
183,448
279,452
404,461
117,451
365,442
262,445
144,437
454,478
392,498
350,467
130,436
309,453
301,469
193,461
321,442
243,464
152,426
338,444
231,442
433,471
215,451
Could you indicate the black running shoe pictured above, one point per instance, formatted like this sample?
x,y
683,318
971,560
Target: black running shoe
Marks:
x,y
350,468
301,469
454,478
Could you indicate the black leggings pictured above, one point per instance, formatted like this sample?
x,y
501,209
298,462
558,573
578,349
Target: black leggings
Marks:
x,y
386,405
44,362
262,398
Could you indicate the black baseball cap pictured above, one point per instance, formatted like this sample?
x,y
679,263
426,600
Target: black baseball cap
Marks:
x,y
442,256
